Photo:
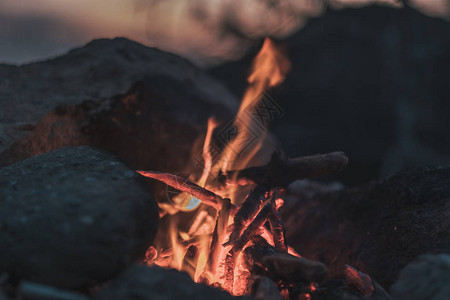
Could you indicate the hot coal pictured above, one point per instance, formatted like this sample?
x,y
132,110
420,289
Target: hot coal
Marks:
x,y
73,218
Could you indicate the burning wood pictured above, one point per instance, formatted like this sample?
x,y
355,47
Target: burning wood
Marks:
x,y
282,170
247,212
261,257
240,243
276,226
218,236
186,186
252,229
251,246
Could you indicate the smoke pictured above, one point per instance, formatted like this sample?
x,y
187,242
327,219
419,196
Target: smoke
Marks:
x,y
208,31
205,31
221,29
224,29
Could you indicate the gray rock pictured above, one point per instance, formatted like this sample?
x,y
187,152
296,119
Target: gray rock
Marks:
x,y
377,228
143,104
73,218
428,277
145,283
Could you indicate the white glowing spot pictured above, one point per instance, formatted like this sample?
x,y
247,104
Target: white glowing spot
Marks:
x,y
193,203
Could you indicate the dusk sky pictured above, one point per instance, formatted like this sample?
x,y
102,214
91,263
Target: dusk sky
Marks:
x,y
36,29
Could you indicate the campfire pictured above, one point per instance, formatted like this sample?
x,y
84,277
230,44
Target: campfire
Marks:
x,y
129,169
224,227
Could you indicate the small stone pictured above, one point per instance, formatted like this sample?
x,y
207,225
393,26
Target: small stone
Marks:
x,y
427,277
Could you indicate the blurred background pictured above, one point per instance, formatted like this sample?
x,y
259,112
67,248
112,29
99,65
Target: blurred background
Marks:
x,y
370,78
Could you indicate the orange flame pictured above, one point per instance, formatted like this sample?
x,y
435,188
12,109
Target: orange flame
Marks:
x,y
212,124
268,70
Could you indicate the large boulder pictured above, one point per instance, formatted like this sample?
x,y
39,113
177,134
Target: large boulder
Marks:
x,y
377,228
73,218
372,82
142,104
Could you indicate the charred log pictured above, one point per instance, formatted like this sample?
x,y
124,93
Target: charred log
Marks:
x,y
276,226
186,186
219,233
247,212
252,229
264,259
282,170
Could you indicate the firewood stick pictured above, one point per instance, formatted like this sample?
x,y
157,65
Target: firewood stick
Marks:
x,y
239,244
247,212
219,233
252,229
230,262
282,170
264,259
186,186
276,226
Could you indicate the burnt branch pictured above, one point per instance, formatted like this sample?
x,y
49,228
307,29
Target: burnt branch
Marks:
x,y
218,236
282,170
276,226
264,259
239,244
186,186
252,229
247,212
230,262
